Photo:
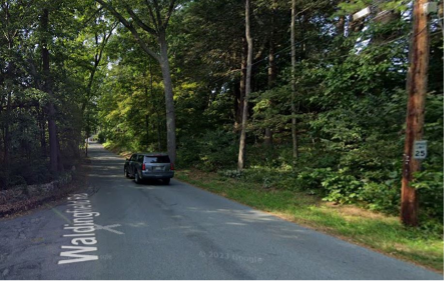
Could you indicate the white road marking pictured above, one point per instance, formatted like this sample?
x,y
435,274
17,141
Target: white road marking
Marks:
x,y
76,254
108,228
83,222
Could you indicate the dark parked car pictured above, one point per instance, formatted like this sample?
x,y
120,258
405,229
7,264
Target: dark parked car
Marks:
x,y
149,166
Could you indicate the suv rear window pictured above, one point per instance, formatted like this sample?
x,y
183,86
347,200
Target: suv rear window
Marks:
x,y
157,159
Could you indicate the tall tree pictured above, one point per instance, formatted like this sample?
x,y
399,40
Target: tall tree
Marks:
x,y
242,143
47,87
271,70
293,82
159,13
100,41
37,93
9,34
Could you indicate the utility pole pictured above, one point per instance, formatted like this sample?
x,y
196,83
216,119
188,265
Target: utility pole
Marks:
x,y
416,88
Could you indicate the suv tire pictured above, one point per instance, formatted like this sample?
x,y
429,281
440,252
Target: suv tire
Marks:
x,y
137,180
126,173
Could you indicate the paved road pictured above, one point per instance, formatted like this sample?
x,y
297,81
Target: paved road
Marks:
x,y
153,231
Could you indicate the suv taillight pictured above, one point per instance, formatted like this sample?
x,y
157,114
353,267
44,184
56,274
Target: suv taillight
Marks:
x,y
172,167
143,166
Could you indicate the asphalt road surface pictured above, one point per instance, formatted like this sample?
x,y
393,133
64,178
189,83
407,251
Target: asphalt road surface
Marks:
x,y
154,231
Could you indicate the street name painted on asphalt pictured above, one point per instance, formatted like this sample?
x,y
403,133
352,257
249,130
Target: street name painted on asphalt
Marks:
x,y
82,230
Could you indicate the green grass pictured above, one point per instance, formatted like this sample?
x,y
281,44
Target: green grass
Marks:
x,y
376,231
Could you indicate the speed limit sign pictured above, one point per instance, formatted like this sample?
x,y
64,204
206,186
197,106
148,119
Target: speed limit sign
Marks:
x,y
419,151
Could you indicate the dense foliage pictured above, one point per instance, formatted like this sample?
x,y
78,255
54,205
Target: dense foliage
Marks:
x,y
351,97
351,100
48,54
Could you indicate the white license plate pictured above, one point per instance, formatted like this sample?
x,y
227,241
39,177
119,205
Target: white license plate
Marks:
x,y
158,168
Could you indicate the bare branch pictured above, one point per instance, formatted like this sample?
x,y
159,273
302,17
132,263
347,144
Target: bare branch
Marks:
x,y
93,15
6,35
144,46
158,12
33,71
131,29
139,22
153,18
5,20
105,41
97,59
169,13
114,12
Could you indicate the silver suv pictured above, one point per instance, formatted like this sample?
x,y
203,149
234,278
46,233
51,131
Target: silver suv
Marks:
x,y
149,166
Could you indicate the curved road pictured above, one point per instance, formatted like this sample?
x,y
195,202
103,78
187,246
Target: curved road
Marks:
x,y
153,231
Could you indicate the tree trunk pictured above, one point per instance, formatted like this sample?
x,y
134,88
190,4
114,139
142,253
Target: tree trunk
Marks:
x,y
9,88
236,101
6,135
157,125
59,154
440,15
89,87
153,110
242,89
42,126
294,120
440,11
147,123
169,103
340,26
159,132
48,88
242,144
160,26
97,58
271,74
268,137
87,134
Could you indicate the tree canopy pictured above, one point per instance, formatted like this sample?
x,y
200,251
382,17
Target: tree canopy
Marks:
x,y
160,75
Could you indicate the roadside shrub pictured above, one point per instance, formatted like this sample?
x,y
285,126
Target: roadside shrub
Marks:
x,y
36,172
342,187
3,180
65,178
429,185
289,182
382,196
310,179
266,177
16,180
210,152
234,174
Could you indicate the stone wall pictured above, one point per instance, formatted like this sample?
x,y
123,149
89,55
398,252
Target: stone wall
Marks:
x,y
25,197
